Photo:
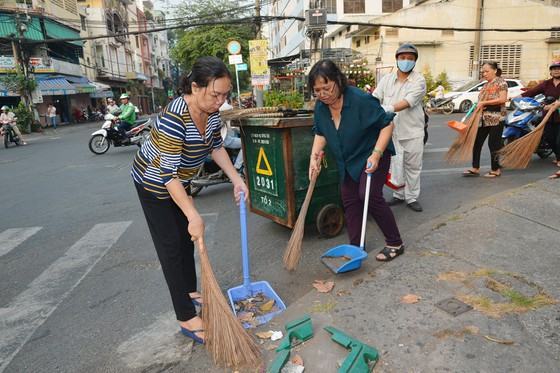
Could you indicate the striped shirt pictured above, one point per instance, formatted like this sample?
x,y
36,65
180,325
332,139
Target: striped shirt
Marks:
x,y
175,149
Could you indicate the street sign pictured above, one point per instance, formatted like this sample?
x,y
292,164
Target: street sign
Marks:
x,y
234,47
241,67
235,59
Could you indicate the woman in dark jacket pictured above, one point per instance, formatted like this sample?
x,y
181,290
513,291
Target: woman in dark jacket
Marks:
x,y
358,133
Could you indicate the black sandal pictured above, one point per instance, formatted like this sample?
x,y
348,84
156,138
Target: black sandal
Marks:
x,y
390,253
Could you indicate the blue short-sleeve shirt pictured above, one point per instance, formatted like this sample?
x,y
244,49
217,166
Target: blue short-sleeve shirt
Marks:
x,y
362,119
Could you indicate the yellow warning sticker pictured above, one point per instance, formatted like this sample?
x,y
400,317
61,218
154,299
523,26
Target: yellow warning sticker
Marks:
x,y
266,170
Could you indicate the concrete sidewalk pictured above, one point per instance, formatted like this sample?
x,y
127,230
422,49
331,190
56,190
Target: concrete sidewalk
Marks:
x,y
501,255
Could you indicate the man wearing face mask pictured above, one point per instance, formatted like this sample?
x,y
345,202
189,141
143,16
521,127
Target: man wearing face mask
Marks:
x,y
402,92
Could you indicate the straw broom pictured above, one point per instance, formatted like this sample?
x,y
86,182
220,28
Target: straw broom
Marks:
x,y
518,153
292,254
224,336
461,149
236,114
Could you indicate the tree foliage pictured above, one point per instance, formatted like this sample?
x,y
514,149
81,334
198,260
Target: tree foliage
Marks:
x,y
192,43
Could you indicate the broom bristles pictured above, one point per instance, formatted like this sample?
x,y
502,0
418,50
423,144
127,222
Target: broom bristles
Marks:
x,y
224,336
235,114
518,153
292,254
461,149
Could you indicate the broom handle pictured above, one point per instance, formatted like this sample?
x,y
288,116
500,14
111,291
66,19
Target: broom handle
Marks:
x,y
307,200
473,106
364,215
244,245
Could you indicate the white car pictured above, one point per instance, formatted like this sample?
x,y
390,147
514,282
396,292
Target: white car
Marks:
x,y
466,95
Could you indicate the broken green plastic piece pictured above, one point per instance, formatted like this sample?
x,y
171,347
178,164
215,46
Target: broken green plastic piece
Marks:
x,y
361,355
301,329
281,359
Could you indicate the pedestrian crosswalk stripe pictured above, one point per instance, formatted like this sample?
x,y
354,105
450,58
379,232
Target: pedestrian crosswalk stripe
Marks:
x,y
12,237
31,308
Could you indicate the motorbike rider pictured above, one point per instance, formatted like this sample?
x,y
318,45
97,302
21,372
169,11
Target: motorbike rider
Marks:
x,y
127,116
8,117
550,88
111,106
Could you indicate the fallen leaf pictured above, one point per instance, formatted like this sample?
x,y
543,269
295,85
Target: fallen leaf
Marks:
x,y
341,293
267,307
264,335
410,299
501,341
323,286
357,282
245,316
297,360
271,347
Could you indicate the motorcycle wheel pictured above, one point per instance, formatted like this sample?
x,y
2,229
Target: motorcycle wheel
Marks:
x,y
194,190
465,106
6,140
98,144
448,108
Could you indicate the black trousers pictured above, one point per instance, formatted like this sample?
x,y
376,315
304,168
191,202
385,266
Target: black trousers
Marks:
x,y
175,250
552,136
494,134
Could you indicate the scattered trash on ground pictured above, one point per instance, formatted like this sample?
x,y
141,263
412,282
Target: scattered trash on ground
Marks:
x,y
323,286
410,299
500,341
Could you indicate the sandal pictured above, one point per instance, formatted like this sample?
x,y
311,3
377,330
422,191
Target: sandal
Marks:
x,y
470,173
493,174
555,175
390,253
196,299
192,334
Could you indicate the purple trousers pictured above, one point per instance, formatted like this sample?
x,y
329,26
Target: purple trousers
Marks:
x,y
353,195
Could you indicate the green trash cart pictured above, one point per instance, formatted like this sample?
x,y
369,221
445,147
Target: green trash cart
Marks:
x,y
276,154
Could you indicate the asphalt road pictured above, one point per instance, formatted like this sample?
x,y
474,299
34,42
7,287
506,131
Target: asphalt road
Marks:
x,y
81,289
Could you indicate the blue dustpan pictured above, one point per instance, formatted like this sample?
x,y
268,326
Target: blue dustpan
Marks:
x,y
345,258
250,289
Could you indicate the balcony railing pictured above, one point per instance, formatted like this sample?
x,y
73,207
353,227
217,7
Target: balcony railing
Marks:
x,y
67,68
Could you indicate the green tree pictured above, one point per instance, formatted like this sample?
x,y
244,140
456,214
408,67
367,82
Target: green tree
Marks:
x,y
192,43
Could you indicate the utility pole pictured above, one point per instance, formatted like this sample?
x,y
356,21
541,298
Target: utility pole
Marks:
x,y
259,88
477,39
22,59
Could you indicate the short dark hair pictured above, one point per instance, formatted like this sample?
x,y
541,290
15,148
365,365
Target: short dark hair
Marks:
x,y
494,66
204,70
327,70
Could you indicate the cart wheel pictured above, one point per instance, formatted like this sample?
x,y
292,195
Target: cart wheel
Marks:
x,y
330,220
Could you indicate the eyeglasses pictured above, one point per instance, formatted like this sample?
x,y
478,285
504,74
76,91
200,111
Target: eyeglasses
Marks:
x,y
218,96
326,90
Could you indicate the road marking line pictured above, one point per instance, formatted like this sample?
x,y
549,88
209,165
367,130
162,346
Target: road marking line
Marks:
x,y
11,238
31,308
447,170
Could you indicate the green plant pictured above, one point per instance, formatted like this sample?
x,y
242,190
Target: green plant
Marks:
x,y
24,117
17,82
288,100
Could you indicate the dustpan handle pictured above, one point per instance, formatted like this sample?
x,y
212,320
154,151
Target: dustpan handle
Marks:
x,y
244,245
473,106
364,215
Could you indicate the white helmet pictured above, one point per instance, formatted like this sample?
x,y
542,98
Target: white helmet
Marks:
x,y
5,108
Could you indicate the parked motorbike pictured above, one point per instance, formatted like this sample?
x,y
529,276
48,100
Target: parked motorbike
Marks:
x,y
211,174
527,114
9,134
102,139
441,105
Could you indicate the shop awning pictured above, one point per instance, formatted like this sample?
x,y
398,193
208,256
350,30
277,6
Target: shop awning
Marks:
x,y
56,30
8,28
101,90
56,86
82,84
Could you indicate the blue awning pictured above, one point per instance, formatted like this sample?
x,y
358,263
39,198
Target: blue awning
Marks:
x,y
82,84
56,86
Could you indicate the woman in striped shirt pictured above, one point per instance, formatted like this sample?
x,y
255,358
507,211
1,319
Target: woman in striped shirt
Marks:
x,y
185,133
